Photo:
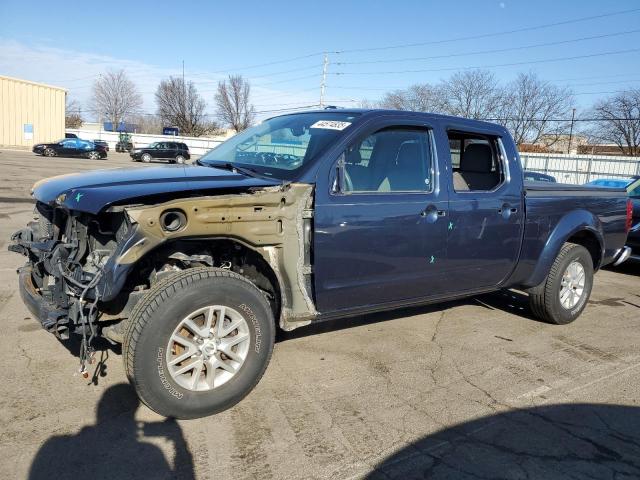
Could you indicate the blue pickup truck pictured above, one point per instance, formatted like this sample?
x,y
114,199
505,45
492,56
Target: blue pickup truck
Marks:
x,y
302,218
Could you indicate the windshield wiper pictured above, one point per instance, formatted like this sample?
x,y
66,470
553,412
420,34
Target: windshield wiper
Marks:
x,y
249,172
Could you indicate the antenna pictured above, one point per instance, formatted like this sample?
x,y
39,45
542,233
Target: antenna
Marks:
x,y
323,83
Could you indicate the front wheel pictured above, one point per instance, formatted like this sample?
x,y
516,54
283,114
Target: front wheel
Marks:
x,y
198,342
146,158
564,294
49,152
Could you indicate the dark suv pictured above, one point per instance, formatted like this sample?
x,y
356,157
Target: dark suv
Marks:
x,y
172,151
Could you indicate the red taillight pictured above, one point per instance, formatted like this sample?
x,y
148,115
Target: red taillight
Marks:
x,y
629,222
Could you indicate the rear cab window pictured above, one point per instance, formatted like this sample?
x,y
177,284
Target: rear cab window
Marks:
x,y
477,161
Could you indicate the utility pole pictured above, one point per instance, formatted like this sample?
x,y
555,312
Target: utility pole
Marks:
x,y
573,118
323,83
184,94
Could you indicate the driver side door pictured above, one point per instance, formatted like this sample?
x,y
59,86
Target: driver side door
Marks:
x,y
159,151
68,148
380,237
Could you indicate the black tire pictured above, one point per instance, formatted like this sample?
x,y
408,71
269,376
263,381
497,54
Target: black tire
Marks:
x,y
49,152
545,298
159,312
146,158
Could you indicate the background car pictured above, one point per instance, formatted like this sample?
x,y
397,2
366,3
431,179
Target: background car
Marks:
x,y
171,151
632,185
102,143
124,147
70,135
71,147
530,176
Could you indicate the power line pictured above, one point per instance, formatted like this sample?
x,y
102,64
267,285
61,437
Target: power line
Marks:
x,y
343,51
494,34
530,62
276,62
601,93
594,77
498,50
285,81
310,67
392,88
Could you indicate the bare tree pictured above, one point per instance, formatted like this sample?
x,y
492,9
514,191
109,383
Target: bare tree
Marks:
x,y
72,114
115,97
472,94
618,121
233,103
180,105
150,124
535,109
417,98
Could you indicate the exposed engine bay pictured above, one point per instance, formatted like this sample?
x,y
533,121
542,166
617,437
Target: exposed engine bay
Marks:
x,y
67,252
86,272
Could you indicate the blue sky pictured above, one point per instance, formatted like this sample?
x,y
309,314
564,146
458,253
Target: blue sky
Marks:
x,y
70,43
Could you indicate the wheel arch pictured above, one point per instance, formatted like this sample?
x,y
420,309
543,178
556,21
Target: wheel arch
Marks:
x,y
580,227
254,268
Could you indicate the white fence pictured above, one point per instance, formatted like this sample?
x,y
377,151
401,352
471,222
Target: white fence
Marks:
x,y
580,169
197,145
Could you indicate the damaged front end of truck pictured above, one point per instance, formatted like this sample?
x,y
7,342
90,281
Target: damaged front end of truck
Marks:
x,y
86,270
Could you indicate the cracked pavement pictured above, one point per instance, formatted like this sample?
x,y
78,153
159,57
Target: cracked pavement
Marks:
x,y
473,389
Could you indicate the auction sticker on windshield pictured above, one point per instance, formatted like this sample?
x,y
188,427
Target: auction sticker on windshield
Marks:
x,y
330,124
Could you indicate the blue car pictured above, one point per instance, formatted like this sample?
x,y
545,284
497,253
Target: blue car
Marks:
x,y
71,147
632,185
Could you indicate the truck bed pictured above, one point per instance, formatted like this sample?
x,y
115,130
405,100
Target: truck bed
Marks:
x,y
560,189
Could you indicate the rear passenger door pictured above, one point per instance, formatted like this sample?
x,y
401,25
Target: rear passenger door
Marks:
x,y
485,211
380,226
171,151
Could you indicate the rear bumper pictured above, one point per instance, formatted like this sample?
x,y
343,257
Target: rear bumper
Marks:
x,y
622,256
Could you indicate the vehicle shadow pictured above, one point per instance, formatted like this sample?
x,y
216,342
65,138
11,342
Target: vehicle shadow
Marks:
x,y
630,267
550,442
509,301
115,446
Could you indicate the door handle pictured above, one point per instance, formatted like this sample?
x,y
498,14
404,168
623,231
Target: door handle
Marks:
x,y
431,213
507,210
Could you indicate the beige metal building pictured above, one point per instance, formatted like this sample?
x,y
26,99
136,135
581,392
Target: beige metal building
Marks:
x,y
30,113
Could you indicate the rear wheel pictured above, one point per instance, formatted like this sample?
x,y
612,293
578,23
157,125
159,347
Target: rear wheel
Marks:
x,y
564,294
94,155
198,342
180,159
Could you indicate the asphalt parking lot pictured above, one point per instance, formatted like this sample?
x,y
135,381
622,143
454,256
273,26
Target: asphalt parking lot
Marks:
x,y
470,389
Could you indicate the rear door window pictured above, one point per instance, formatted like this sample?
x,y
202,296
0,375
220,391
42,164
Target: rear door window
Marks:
x,y
476,161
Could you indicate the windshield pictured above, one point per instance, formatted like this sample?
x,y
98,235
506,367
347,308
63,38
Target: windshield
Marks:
x,y
610,183
279,147
633,189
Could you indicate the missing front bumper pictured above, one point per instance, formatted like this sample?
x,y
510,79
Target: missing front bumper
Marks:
x,y
51,318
